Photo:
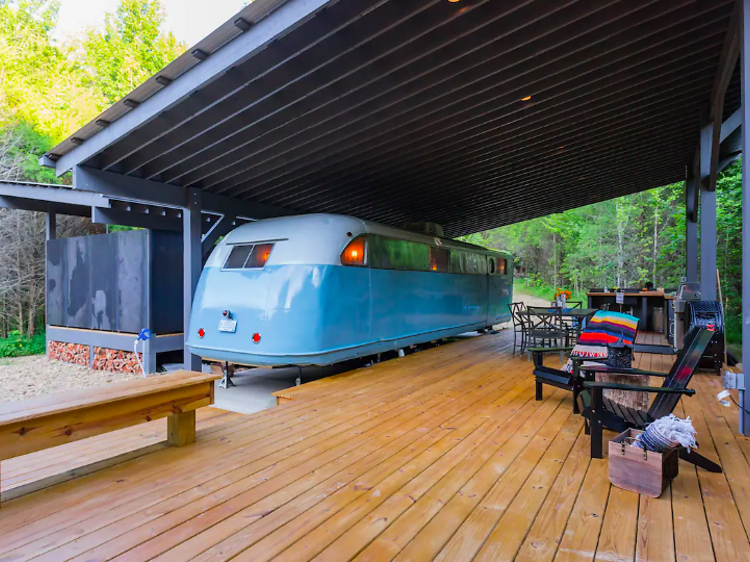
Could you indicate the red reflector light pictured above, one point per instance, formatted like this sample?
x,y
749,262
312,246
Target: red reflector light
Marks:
x,y
201,333
256,337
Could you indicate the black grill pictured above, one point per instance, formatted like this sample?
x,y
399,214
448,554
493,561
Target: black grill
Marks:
x,y
708,314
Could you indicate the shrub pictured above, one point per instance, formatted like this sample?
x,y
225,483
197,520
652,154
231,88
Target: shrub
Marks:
x,y
18,346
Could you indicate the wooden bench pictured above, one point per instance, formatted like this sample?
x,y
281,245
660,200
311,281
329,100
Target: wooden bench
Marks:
x,y
40,423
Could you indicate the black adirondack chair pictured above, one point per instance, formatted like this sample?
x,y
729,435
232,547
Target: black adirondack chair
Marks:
x,y
601,412
559,378
556,377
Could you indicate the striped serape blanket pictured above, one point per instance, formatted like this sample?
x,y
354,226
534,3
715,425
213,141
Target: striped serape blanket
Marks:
x,y
605,329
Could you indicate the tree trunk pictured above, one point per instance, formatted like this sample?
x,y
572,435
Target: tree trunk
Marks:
x,y
554,259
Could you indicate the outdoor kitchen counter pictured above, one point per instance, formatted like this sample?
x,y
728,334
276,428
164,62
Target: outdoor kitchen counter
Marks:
x,y
642,303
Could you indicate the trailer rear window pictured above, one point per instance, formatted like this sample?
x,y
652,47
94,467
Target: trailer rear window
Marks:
x,y
248,256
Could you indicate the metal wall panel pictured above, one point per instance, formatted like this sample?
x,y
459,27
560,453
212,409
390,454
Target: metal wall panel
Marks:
x,y
104,282
55,284
132,280
77,277
166,282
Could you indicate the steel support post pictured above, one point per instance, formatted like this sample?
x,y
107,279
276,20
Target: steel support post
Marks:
x,y
191,236
50,224
707,217
745,76
149,357
691,230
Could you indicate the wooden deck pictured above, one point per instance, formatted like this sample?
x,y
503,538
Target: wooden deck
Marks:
x,y
443,455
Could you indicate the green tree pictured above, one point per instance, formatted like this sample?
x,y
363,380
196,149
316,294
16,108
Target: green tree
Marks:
x,y
41,84
131,48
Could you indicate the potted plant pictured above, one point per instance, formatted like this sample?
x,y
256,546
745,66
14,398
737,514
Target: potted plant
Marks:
x,y
561,297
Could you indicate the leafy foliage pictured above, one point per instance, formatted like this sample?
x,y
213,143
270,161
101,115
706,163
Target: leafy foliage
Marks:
x,y
131,49
624,243
48,91
42,85
16,345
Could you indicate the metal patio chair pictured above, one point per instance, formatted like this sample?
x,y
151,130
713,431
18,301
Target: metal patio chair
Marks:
x,y
546,325
518,314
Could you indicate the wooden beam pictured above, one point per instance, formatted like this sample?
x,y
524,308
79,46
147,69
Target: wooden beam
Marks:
x,y
727,62
156,193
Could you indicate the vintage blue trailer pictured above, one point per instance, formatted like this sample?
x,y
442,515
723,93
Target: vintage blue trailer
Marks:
x,y
319,289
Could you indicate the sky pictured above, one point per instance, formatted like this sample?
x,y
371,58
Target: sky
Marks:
x,y
189,20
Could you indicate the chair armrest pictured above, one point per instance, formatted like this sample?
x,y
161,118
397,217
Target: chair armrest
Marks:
x,y
579,359
635,387
548,349
622,371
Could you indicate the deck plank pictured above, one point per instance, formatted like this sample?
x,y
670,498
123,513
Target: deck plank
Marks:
x,y
617,538
441,455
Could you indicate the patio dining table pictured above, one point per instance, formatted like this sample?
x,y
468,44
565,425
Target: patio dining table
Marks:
x,y
579,316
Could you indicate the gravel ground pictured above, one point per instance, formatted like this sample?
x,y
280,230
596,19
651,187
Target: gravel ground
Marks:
x,y
24,377
529,300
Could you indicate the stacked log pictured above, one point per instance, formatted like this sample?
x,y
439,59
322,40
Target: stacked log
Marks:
x,y
105,359
69,352
116,360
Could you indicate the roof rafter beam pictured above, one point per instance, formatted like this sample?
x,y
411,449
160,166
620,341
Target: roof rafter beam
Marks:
x,y
478,64
399,127
279,22
56,194
730,54
152,192
731,124
134,218
10,202
222,227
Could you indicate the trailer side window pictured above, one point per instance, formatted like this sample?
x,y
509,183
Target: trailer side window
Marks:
x,y
248,256
502,266
440,260
259,256
238,256
491,265
391,253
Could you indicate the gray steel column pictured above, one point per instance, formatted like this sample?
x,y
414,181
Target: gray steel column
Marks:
x,y
149,357
745,68
691,230
191,236
50,224
708,218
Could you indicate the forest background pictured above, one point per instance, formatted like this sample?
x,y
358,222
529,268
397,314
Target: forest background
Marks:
x,y
48,89
625,242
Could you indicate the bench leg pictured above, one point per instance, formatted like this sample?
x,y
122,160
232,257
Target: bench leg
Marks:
x,y
181,429
539,395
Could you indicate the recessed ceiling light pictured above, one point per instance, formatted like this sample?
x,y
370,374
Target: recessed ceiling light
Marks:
x,y
453,0
527,98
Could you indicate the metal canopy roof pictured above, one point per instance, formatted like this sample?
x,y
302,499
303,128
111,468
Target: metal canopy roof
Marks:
x,y
472,114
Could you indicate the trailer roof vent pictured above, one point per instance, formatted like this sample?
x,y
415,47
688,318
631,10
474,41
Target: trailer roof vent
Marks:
x,y
423,227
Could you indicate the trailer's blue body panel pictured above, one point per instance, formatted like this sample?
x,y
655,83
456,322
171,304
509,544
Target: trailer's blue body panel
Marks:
x,y
322,313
